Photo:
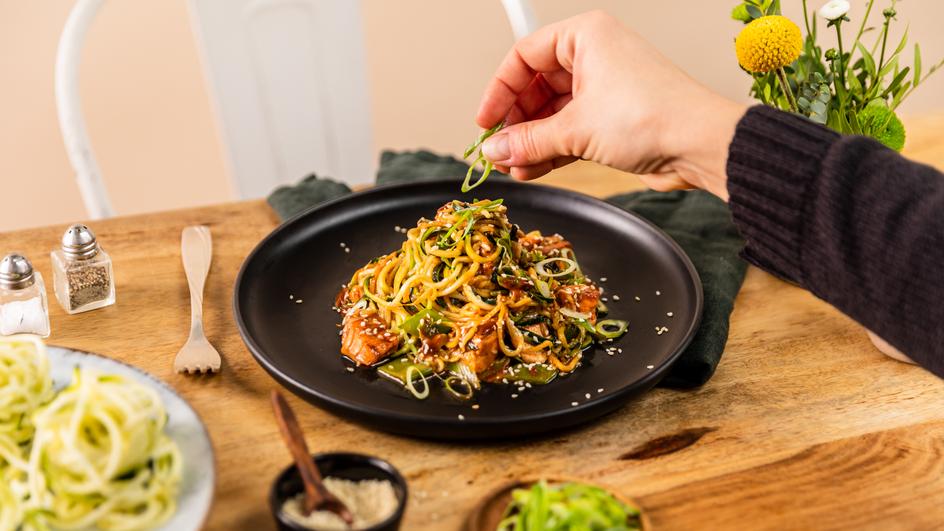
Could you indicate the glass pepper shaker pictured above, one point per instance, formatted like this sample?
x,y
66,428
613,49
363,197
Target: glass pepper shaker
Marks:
x,y
23,307
82,272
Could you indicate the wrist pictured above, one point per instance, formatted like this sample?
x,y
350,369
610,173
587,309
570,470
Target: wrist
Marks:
x,y
702,142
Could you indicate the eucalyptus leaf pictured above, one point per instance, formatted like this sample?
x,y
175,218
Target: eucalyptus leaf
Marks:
x,y
754,12
917,65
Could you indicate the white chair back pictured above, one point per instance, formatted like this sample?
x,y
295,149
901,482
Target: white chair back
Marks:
x,y
288,83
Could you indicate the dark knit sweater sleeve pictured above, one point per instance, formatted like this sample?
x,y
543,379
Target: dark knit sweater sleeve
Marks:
x,y
854,222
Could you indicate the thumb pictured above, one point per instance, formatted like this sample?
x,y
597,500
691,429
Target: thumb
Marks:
x,y
528,143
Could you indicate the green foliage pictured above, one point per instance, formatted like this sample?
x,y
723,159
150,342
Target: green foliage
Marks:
x,y
881,123
740,13
854,89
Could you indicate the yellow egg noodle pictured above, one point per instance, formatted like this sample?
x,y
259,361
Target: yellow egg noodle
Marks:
x,y
471,295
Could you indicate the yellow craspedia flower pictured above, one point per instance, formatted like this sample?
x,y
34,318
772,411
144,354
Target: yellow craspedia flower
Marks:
x,y
768,43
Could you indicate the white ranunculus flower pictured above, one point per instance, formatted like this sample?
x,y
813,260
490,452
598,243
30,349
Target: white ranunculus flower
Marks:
x,y
834,9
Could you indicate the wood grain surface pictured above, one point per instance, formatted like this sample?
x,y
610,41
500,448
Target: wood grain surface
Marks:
x,y
804,426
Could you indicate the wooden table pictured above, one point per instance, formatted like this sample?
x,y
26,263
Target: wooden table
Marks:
x,y
805,425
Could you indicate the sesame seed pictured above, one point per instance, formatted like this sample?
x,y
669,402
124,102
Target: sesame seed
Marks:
x,y
600,390
587,395
637,298
658,293
514,395
461,417
573,404
298,301
347,249
343,245
290,297
349,369
602,279
604,299
475,406
670,314
615,297
650,366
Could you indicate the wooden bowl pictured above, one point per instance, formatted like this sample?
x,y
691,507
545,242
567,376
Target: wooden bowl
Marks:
x,y
488,513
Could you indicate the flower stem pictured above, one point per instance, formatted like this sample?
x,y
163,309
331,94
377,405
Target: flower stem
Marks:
x,y
881,58
865,19
806,19
842,68
785,85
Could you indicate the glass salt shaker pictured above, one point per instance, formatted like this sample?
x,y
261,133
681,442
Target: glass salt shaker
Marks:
x,y
23,307
82,272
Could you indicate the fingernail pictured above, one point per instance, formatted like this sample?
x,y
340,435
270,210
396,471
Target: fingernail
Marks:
x,y
495,149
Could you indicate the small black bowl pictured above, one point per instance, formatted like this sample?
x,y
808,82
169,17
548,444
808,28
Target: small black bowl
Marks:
x,y
354,467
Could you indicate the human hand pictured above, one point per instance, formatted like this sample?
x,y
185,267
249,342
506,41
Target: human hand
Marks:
x,y
589,88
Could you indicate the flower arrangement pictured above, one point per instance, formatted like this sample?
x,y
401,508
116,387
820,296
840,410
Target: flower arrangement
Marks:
x,y
853,88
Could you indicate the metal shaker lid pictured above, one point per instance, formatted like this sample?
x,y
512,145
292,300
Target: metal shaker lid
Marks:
x,y
16,272
79,242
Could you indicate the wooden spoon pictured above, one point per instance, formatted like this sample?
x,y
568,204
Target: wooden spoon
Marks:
x,y
317,497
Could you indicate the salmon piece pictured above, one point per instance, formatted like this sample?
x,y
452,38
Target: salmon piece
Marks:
x,y
365,338
534,241
482,349
582,298
347,297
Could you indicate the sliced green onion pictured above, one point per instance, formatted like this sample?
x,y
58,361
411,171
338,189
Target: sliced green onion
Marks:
x,y
463,371
602,309
567,506
487,164
541,267
409,383
573,314
612,328
451,382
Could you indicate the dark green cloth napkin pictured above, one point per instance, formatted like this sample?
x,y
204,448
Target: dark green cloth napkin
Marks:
x,y
698,221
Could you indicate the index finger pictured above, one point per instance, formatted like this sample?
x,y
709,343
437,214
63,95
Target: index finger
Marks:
x,y
549,49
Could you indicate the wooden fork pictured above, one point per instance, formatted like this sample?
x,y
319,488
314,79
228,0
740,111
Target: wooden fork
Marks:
x,y
197,355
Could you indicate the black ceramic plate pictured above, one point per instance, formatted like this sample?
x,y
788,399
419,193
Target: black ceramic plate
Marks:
x,y
287,286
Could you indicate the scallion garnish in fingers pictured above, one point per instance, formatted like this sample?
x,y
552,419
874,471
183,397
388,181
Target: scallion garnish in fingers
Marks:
x,y
480,158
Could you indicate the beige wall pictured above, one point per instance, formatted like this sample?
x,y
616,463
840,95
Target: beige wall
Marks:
x,y
152,126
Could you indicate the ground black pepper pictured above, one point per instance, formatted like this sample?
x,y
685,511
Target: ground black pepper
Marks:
x,y
87,285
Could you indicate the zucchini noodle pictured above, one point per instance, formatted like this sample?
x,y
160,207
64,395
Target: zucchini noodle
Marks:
x,y
25,384
98,456
469,296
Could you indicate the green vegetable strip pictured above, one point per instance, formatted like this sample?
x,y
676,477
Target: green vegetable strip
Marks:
x,y
568,506
480,159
